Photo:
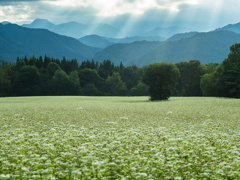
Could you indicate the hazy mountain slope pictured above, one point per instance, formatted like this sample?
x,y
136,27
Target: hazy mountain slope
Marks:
x,y
125,52
206,47
179,36
5,22
20,41
72,29
135,38
106,30
231,27
75,29
9,48
40,23
166,32
95,41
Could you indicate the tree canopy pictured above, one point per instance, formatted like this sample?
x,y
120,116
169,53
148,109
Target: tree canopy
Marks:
x,y
160,77
225,80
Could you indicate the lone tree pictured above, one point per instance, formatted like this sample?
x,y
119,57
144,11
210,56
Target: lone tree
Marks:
x,y
160,77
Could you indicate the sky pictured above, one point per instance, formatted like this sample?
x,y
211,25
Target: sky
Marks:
x,y
207,13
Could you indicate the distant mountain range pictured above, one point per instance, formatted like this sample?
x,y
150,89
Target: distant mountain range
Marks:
x,y
5,22
75,29
135,38
125,52
17,41
165,32
180,36
78,30
103,42
206,47
231,27
95,41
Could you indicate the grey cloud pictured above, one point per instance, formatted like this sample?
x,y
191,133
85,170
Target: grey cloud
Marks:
x,y
24,0
63,14
166,2
129,1
16,2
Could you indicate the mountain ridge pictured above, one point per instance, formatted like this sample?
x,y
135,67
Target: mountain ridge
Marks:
x,y
209,47
21,41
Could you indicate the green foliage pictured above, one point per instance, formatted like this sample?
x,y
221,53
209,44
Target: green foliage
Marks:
x,y
60,83
160,77
131,76
115,86
90,90
74,85
90,76
5,83
52,67
208,85
189,82
225,80
106,69
28,81
140,90
20,64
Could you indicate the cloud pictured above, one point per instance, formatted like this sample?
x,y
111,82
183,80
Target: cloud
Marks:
x,y
209,12
24,0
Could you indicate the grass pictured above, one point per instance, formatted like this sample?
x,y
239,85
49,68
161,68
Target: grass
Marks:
x,y
119,138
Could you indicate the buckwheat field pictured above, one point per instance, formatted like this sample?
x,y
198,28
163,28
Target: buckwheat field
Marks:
x,y
119,138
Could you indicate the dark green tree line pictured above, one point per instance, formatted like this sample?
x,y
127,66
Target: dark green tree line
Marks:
x,y
224,81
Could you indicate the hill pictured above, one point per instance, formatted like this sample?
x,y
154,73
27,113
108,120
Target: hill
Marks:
x,y
5,22
135,38
75,29
105,30
125,52
179,36
95,41
211,47
19,41
165,32
231,27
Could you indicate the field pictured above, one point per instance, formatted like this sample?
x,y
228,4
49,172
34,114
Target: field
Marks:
x,y
119,138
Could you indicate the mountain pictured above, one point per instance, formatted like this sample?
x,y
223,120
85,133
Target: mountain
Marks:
x,y
135,38
17,41
125,52
179,36
40,23
106,30
95,41
72,29
231,27
75,29
211,47
165,32
5,22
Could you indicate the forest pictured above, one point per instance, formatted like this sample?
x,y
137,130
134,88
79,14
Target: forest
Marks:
x,y
46,76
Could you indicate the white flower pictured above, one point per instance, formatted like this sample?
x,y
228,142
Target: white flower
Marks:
x,y
169,113
3,176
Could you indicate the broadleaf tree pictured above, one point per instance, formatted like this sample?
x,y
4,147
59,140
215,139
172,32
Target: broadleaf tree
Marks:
x,y
160,77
